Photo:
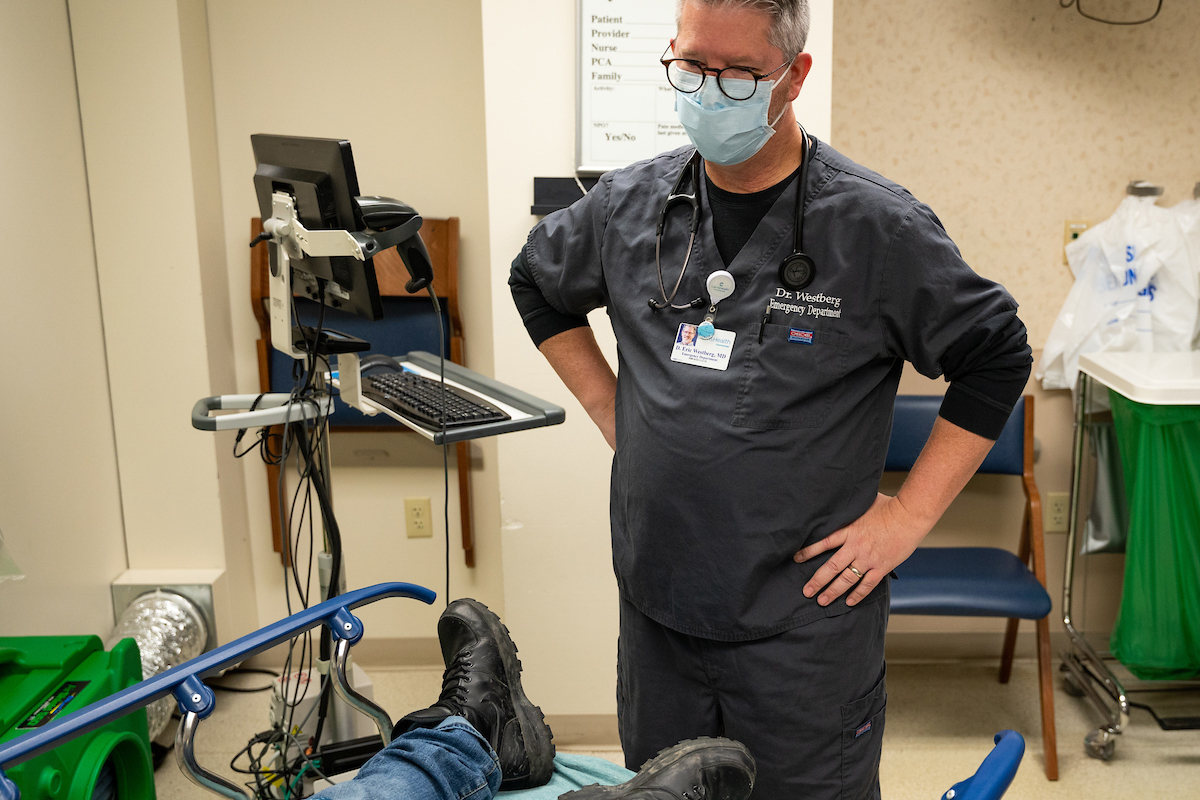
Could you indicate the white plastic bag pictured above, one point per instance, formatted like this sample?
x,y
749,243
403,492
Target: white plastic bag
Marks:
x,y
1187,215
1133,265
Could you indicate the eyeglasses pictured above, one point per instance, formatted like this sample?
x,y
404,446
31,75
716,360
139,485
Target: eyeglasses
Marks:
x,y
736,83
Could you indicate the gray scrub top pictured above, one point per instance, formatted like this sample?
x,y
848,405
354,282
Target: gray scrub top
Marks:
x,y
719,477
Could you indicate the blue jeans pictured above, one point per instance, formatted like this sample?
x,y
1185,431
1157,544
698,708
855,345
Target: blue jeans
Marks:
x,y
449,762
453,762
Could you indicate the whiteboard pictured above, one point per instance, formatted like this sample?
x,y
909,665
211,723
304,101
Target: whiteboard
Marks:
x,y
626,108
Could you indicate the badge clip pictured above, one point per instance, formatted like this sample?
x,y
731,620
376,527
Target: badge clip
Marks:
x,y
720,285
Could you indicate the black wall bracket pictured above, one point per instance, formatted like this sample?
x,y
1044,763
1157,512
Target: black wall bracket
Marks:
x,y
551,194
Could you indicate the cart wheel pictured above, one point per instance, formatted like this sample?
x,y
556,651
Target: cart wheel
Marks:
x,y
1070,687
1099,744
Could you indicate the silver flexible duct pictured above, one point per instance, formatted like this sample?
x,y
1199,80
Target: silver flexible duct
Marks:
x,y
169,629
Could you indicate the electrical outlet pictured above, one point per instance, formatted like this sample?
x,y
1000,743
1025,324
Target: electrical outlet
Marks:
x,y
1058,506
418,517
1071,232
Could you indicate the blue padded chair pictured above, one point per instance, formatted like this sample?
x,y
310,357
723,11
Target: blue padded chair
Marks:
x,y
408,324
995,774
982,581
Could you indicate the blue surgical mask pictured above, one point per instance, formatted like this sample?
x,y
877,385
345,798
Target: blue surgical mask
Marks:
x,y
726,131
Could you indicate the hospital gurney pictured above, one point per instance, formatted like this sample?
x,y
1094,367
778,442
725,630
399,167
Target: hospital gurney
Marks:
x,y
197,701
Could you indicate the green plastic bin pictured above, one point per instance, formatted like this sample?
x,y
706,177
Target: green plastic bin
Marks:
x,y
44,677
1157,633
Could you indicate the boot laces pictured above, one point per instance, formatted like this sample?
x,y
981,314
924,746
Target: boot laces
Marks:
x,y
695,793
454,682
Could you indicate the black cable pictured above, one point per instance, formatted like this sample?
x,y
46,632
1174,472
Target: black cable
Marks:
x,y
312,346
331,526
437,314
216,687
313,478
335,545
285,769
302,495
220,687
1079,7
289,566
315,471
242,432
283,773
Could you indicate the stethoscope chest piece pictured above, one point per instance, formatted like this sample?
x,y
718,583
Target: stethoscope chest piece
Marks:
x,y
797,271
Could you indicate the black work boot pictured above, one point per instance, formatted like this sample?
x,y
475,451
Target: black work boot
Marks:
x,y
698,769
482,682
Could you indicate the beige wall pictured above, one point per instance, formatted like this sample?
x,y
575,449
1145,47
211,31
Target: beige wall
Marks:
x,y
60,502
144,83
161,301
1009,118
560,594
402,82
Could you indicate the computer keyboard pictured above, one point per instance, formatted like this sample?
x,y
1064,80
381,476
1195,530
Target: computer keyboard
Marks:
x,y
420,399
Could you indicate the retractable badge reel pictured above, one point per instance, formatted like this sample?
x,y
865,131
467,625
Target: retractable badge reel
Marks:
x,y
720,285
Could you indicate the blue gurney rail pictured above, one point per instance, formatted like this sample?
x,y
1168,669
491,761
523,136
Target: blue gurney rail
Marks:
x,y
994,775
196,701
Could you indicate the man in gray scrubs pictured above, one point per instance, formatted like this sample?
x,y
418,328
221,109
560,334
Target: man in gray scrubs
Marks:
x,y
754,595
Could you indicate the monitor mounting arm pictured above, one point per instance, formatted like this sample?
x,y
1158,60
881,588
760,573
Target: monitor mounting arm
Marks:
x,y
291,241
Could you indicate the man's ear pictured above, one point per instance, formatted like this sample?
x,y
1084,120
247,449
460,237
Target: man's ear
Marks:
x,y
797,72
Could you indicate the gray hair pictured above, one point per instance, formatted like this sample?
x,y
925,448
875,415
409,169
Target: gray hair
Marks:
x,y
789,20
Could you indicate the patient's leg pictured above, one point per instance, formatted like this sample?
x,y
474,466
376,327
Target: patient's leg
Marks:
x,y
447,762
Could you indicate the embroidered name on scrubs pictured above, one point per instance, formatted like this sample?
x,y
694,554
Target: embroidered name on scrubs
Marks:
x,y
712,353
862,730
803,337
806,304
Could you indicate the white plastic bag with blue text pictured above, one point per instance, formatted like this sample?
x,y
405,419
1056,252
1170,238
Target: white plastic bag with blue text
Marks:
x,y
1135,290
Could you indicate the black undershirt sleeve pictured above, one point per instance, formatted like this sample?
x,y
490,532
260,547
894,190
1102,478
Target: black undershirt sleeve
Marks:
x,y
541,319
988,369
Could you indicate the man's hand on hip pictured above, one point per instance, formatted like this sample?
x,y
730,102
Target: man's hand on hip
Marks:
x,y
879,541
867,550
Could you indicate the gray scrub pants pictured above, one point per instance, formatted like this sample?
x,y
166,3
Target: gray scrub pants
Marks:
x,y
808,702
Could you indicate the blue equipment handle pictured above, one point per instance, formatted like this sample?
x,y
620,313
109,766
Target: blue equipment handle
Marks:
x,y
994,775
334,612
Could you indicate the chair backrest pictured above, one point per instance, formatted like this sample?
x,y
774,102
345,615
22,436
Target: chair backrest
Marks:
x,y
912,422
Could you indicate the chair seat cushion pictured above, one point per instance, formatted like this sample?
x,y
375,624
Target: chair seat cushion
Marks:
x,y
967,582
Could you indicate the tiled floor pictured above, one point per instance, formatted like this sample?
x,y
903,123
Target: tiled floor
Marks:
x,y
940,721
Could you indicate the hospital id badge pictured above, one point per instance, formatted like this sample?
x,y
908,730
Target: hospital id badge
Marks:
x,y
712,353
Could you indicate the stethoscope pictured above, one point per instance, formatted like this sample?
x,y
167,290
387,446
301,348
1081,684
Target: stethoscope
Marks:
x,y
795,272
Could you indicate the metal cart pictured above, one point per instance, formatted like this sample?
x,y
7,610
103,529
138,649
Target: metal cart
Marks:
x,y
1154,379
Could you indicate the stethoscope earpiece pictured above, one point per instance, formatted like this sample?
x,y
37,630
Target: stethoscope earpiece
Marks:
x,y
797,271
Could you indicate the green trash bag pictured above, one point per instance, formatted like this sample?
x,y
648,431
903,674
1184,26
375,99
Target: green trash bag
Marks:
x,y
1157,634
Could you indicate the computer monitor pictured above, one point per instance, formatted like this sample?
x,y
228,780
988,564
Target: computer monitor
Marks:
x,y
319,175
